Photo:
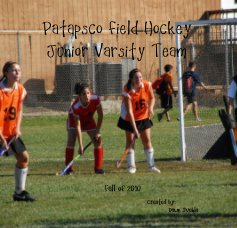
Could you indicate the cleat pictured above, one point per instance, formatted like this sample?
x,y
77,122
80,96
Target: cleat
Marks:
x,y
23,196
159,116
132,170
99,171
154,169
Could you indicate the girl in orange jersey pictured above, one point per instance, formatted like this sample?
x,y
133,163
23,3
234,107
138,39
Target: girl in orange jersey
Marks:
x,y
135,117
12,95
80,118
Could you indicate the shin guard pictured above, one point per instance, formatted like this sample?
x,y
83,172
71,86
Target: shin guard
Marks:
x,y
20,179
149,156
98,155
131,158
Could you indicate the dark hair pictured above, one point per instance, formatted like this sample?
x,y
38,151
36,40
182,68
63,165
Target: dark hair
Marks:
x,y
191,64
6,68
131,75
168,67
80,87
235,77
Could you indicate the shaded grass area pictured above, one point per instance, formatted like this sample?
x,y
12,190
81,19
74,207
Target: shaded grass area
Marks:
x,y
191,194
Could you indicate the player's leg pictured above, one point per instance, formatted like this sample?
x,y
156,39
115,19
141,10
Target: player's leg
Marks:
x,y
167,115
98,152
187,106
148,149
164,101
69,151
169,106
131,152
195,110
21,170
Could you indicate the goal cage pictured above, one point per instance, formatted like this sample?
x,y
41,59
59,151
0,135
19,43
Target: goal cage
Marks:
x,y
212,45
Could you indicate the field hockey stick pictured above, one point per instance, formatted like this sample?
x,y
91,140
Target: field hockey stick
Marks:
x,y
119,162
4,150
76,158
231,132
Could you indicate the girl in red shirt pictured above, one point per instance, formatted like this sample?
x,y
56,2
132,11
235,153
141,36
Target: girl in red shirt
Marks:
x,y
81,118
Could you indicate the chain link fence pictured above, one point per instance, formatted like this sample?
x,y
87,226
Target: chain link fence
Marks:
x,y
52,64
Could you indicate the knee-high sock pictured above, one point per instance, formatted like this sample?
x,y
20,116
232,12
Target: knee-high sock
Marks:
x,y
20,179
150,156
98,155
131,158
69,154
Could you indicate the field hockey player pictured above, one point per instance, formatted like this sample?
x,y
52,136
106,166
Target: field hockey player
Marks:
x,y
80,119
12,95
135,118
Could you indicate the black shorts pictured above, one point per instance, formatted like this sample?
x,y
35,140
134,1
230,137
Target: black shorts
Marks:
x,y
16,147
141,124
166,101
191,98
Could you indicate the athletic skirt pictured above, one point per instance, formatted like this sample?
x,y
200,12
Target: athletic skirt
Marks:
x,y
141,124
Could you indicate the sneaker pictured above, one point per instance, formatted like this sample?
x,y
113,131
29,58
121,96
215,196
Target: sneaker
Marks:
x,y
154,169
99,171
132,170
159,116
23,196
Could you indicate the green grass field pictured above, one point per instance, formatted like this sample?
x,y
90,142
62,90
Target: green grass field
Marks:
x,y
191,194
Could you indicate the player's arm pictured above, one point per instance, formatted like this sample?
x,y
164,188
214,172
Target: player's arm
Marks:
x,y
2,139
100,114
19,120
151,102
79,134
128,105
203,85
172,88
20,113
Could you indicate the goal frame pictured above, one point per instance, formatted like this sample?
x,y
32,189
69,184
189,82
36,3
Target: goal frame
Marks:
x,y
179,73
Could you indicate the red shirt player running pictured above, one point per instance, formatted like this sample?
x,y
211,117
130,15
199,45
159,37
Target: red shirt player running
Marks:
x,y
81,118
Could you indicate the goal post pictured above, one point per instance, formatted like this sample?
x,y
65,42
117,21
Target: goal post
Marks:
x,y
219,38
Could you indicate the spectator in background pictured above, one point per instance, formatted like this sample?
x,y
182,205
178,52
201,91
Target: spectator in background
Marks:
x,y
164,88
192,94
